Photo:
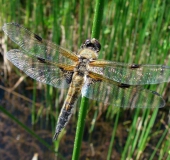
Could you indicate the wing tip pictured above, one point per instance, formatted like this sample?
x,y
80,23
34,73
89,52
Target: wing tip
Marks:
x,y
4,27
11,29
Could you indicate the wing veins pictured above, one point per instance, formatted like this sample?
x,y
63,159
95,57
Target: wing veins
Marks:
x,y
29,42
132,74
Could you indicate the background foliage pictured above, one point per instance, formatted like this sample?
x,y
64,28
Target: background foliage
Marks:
x,y
132,31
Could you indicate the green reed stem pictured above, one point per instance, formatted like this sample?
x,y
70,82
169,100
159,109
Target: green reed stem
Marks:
x,y
98,15
80,128
84,101
33,110
113,137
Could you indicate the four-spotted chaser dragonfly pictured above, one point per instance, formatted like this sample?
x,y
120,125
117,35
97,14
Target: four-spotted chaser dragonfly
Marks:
x,y
113,83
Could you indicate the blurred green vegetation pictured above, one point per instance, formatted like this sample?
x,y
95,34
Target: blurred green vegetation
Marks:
x,y
132,31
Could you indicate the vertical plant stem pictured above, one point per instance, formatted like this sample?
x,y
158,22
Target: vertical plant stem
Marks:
x,y
81,15
80,128
97,18
33,112
153,155
113,137
84,101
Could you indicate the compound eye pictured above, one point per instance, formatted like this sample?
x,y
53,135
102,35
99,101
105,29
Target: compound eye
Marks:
x,y
87,41
96,44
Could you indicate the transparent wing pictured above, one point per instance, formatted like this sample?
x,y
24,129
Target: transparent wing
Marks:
x,y
39,69
36,46
126,97
131,74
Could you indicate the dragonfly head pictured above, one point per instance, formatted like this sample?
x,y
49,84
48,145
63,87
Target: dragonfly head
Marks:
x,y
92,44
90,49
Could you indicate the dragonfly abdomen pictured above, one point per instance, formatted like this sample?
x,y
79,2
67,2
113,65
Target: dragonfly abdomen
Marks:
x,y
67,109
63,119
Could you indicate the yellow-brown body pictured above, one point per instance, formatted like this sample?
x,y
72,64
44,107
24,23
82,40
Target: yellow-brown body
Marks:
x,y
78,78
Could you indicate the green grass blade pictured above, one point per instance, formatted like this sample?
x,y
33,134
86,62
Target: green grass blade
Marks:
x,y
33,109
158,145
97,19
80,128
84,101
113,137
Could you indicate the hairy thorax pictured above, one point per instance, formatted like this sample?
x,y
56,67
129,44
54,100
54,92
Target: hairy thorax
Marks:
x,y
85,56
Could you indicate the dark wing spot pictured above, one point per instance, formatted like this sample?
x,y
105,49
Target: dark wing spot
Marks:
x,y
67,75
162,69
122,85
68,80
42,60
134,66
155,93
61,69
38,37
16,24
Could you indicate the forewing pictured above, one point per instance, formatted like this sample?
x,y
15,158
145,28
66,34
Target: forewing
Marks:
x,y
36,46
38,69
131,74
126,97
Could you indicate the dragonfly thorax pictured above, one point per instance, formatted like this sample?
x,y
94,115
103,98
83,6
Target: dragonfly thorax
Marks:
x,y
88,54
81,66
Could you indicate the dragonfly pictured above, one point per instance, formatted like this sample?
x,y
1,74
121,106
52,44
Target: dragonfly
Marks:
x,y
114,83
